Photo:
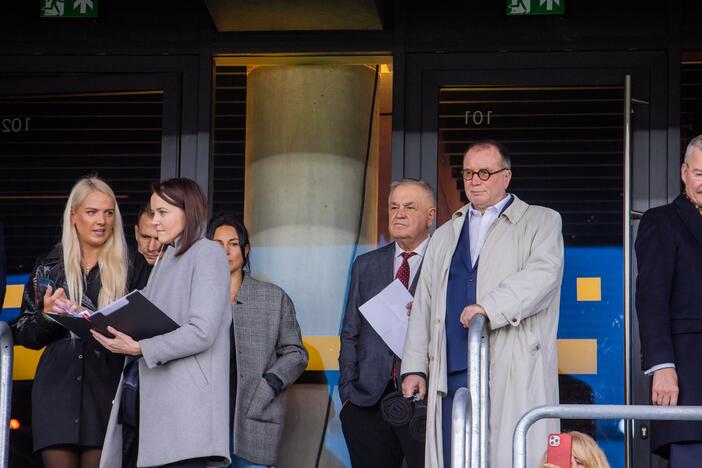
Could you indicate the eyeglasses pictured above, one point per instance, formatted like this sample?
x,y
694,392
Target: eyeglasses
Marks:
x,y
483,174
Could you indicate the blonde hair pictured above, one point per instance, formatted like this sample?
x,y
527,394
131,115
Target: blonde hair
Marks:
x,y
112,259
586,451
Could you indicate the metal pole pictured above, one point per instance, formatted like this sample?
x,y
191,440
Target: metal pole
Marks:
x,y
6,350
670,413
484,394
475,387
461,420
628,429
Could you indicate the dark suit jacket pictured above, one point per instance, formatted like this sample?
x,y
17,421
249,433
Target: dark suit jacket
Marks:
x,y
365,360
669,306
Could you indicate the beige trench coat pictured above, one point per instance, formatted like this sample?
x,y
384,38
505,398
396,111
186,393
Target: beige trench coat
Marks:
x,y
519,282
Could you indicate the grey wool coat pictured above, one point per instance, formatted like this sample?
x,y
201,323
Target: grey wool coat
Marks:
x,y
184,374
267,340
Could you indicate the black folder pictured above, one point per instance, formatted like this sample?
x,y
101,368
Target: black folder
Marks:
x,y
133,315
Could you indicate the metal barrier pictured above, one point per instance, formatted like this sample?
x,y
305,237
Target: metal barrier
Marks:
x,y
671,413
461,418
472,426
6,350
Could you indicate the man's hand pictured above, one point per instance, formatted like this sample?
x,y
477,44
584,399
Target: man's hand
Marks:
x,y
469,312
665,389
414,384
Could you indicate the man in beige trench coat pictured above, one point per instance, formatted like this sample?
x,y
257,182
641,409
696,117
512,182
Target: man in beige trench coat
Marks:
x,y
515,252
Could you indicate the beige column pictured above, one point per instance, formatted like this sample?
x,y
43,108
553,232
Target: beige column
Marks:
x,y
306,143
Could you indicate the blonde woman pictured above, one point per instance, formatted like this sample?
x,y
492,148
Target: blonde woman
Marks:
x,y
76,380
586,453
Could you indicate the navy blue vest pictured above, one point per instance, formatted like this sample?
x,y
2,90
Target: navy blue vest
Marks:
x,y
460,292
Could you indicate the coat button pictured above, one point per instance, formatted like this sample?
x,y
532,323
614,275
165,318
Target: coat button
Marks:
x,y
159,363
80,356
75,420
78,378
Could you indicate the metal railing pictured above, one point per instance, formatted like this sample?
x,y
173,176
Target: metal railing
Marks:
x,y
471,429
671,413
6,350
461,419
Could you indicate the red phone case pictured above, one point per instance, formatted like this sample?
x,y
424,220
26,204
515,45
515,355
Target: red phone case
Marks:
x,y
560,449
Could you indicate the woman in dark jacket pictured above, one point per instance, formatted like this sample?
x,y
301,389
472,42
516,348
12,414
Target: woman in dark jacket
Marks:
x,y
267,354
75,380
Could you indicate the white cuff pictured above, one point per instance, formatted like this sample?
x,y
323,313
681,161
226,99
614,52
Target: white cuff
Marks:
x,y
665,365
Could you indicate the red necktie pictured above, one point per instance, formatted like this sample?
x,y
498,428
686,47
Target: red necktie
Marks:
x,y
403,274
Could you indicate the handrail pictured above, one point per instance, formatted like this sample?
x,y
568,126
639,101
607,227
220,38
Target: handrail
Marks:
x,y
6,350
670,413
475,424
478,370
461,419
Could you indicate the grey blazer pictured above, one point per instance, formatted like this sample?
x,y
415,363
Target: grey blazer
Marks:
x,y
267,339
365,361
184,374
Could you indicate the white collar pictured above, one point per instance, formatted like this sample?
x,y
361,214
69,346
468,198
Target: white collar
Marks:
x,y
421,248
497,207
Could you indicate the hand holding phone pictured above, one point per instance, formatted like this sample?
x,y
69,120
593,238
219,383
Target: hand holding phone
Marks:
x,y
560,450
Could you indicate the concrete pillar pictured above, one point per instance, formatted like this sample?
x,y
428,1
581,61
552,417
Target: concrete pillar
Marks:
x,y
306,140
306,143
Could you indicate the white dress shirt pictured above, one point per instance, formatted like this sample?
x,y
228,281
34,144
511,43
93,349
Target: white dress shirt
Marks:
x,y
414,261
480,224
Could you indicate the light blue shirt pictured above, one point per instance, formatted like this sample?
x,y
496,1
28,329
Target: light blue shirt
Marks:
x,y
480,224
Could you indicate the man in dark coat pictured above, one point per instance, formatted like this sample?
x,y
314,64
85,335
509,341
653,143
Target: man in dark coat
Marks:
x,y
369,369
148,249
669,307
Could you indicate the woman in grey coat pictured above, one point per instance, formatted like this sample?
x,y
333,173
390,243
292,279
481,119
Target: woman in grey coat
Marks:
x,y
173,410
267,354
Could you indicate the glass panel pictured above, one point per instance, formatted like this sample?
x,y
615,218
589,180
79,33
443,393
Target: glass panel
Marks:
x,y
690,102
567,153
302,154
47,142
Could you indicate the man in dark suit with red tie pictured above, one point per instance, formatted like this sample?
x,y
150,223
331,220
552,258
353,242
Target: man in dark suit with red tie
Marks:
x,y
369,369
669,307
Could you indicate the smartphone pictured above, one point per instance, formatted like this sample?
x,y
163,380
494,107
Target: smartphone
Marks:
x,y
560,450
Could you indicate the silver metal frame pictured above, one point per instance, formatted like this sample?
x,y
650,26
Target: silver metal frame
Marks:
x,y
628,428
472,428
461,419
670,413
6,351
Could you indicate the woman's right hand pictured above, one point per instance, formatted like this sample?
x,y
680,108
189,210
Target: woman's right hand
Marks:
x,y
55,301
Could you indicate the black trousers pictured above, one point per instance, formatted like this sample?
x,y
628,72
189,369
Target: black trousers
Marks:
x,y
373,443
685,455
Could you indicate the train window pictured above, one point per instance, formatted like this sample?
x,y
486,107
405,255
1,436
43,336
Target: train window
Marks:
x,y
48,141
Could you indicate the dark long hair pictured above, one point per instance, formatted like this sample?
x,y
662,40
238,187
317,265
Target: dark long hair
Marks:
x,y
227,219
187,195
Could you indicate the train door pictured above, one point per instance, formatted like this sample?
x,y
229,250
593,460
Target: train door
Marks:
x,y
578,136
54,130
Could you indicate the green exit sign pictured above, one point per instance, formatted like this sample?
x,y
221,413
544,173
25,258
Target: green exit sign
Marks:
x,y
535,7
69,8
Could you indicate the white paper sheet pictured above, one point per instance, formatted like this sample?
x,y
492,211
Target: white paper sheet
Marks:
x,y
387,314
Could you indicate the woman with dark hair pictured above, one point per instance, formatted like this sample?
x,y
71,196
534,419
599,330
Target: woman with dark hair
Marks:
x,y
267,354
170,409
76,379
